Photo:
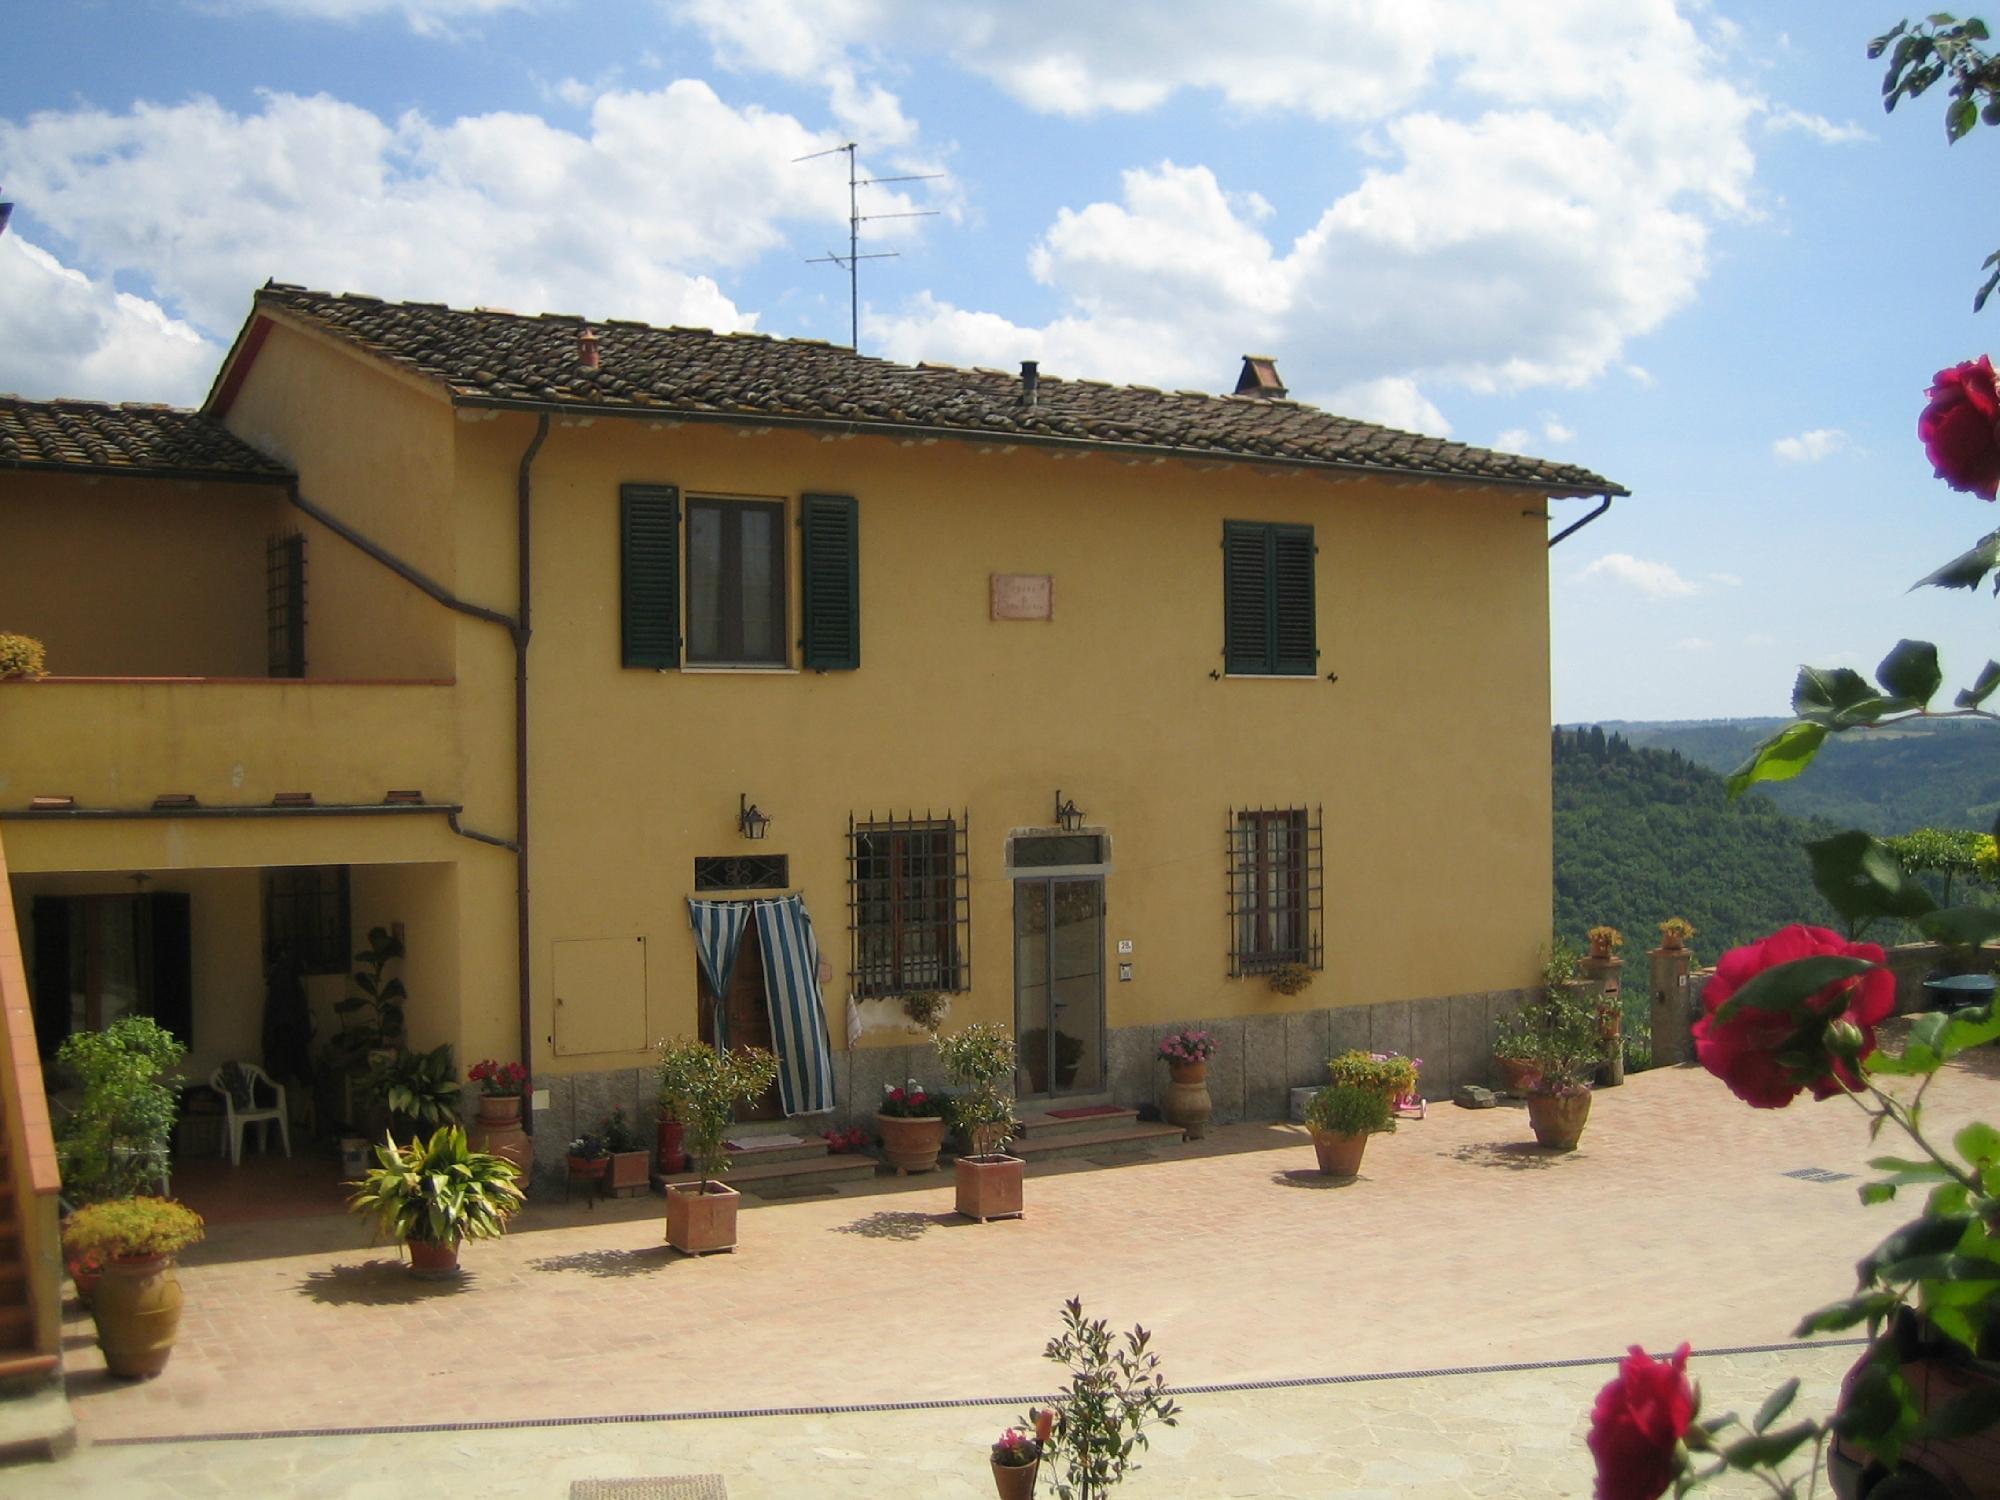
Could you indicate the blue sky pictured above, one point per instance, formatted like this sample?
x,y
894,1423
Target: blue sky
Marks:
x,y
1678,243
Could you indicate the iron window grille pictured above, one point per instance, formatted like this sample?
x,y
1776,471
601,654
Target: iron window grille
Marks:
x,y
909,905
742,872
306,917
1276,890
285,605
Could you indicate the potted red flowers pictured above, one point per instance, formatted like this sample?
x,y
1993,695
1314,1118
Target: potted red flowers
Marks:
x,y
911,1122
497,1130
1017,1458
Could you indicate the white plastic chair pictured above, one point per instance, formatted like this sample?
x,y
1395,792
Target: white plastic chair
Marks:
x,y
237,1115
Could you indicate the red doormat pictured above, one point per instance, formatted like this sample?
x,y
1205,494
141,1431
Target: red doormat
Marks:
x,y
1085,1112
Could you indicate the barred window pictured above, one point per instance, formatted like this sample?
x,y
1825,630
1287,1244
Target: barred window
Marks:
x,y
285,605
909,905
1275,890
306,917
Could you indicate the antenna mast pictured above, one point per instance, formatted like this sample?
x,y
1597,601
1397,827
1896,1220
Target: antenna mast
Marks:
x,y
855,219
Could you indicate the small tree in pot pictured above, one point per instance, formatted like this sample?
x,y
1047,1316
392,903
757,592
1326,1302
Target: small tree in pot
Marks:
x,y
1567,1046
980,1060
1113,1395
705,1085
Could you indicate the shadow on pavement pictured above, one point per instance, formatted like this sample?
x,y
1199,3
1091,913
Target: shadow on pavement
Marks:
x,y
609,1263
379,1283
1518,1156
897,1224
1312,1177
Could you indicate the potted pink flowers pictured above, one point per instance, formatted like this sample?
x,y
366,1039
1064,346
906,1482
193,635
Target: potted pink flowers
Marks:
x,y
1017,1458
1186,1053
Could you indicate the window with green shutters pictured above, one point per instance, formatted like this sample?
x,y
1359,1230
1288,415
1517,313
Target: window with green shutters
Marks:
x,y
831,572
649,533
1268,612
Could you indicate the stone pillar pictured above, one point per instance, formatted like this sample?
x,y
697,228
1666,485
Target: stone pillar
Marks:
x,y
1673,1005
1604,972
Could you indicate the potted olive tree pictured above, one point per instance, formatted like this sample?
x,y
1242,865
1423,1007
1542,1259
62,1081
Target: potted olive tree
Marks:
x,y
1567,1045
705,1085
137,1303
1341,1117
980,1060
433,1194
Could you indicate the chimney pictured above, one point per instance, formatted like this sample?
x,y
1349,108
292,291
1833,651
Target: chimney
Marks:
x,y
1260,378
586,348
1031,379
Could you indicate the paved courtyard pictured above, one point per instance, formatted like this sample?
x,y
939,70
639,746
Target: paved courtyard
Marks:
x,y
1460,1246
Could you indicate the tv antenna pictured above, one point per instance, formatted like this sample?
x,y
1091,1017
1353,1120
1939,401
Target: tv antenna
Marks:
x,y
855,219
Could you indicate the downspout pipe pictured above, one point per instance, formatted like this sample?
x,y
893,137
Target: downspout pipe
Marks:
x,y
523,631
1576,526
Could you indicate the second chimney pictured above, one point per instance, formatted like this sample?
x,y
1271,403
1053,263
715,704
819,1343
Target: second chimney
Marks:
x,y
586,348
1260,378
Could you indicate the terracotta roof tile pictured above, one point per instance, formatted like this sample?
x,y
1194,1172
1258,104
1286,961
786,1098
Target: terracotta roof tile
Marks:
x,y
131,438
489,357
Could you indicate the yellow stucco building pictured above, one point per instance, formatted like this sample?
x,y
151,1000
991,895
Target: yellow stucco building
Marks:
x,y
1088,706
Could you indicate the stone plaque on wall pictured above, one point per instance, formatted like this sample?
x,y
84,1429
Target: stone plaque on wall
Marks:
x,y
1024,596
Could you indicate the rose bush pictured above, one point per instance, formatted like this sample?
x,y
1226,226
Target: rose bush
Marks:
x,y
1638,1426
1958,427
1767,1056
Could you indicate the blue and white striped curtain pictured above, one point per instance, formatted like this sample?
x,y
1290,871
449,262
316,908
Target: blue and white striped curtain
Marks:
x,y
718,938
791,989
798,1015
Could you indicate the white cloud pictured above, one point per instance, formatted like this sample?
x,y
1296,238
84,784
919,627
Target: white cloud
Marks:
x,y
1554,430
1810,447
1817,126
70,336
1392,401
1759,638
1543,178
1513,440
1656,580
630,216
1694,643
426,17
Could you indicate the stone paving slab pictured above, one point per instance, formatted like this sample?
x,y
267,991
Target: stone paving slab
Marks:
x,y
1501,1436
1461,1244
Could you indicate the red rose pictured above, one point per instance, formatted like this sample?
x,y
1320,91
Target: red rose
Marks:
x,y
1637,1425
1744,1051
1958,427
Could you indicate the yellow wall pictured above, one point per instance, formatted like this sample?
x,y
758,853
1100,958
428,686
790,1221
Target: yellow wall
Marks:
x,y
1437,843
138,577
374,450
423,899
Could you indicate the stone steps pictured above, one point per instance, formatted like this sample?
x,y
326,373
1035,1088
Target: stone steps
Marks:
x,y
1112,1135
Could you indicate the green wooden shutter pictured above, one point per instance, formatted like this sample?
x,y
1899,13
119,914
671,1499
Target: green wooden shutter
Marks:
x,y
830,566
1294,643
649,535
1246,597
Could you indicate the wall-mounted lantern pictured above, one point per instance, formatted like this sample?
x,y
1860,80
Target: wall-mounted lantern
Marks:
x,y
749,820
1069,817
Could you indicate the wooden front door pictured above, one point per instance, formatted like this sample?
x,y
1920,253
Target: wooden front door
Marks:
x,y
746,1017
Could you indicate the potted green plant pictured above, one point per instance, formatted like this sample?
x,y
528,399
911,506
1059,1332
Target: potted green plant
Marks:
x,y
1514,1042
1674,933
1605,941
980,1060
420,1089
706,1085
137,1305
379,1006
625,1150
1390,1074
911,1122
1567,1047
1341,1117
434,1194
1289,979
1113,1395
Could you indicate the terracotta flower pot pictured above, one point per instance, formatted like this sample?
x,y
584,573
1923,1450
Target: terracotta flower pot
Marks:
x,y
498,1131
137,1307
589,1168
1339,1155
1517,1076
431,1260
629,1172
1187,1103
1015,1481
911,1142
673,1156
84,1271
989,1187
700,1223
1557,1119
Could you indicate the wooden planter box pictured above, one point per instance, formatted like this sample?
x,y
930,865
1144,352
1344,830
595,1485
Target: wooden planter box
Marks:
x,y
989,1187
701,1223
630,1172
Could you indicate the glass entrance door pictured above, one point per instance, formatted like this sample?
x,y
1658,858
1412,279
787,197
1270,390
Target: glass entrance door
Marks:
x,y
1059,983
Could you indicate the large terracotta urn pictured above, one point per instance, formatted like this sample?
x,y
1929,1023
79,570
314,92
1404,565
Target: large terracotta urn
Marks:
x,y
1187,1103
137,1307
1557,1119
498,1131
1339,1153
911,1143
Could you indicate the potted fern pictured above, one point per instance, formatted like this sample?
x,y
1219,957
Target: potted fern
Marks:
x,y
137,1302
1341,1117
705,1086
434,1194
980,1060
